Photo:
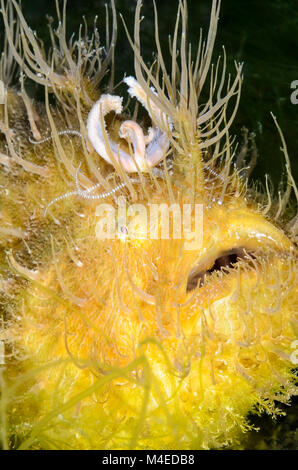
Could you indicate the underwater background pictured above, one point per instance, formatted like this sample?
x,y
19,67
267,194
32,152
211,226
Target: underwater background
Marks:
x,y
262,34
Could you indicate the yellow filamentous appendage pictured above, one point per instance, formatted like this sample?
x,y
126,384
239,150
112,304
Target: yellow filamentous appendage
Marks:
x,y
135,341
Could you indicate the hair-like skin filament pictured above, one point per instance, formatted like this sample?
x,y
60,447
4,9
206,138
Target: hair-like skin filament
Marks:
x,y
85,194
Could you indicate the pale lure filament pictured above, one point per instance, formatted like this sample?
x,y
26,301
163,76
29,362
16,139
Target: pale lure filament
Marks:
x,y
147,151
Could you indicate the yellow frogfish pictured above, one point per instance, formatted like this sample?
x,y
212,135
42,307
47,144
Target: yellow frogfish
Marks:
x,y
148,291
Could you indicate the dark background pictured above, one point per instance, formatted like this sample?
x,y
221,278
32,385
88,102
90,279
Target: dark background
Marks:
x,y
261,33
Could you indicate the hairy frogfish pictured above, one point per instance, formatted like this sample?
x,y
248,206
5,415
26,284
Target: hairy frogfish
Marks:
x,y
148,289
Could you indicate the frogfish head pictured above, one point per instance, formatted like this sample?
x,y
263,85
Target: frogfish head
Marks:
x,y
149,292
